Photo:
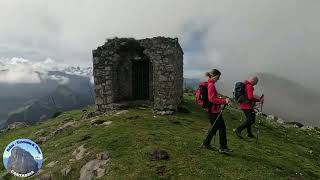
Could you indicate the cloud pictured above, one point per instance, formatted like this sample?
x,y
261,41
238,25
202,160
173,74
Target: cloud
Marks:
x,y
20,70
59,79
238,37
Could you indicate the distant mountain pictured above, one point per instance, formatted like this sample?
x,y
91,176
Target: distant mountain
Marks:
x,y
13,96
61,99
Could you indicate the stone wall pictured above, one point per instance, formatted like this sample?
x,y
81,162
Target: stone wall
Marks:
x,y
112,64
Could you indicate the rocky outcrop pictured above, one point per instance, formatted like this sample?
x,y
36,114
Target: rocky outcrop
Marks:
x,y
80,152
95,168
296,124
21,161
17,125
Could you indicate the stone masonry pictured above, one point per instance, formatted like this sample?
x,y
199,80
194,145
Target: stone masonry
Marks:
x,y
148,70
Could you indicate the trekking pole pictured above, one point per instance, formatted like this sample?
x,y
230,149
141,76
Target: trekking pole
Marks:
x,y
259,121
215,122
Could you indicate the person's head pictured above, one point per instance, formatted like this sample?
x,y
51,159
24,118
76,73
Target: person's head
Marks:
x,y
214,75
253,80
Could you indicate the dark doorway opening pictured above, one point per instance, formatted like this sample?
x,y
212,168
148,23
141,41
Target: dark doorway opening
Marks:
x,y
140,80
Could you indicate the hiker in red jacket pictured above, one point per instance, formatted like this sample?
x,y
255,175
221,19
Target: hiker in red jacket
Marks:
x,y
214,111
248,107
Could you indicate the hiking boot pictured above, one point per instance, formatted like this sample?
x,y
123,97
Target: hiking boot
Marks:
x,y
238,133
209,147
225,150
251,136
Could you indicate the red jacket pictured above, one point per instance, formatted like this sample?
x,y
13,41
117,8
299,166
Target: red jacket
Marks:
x,y
213,97
249,90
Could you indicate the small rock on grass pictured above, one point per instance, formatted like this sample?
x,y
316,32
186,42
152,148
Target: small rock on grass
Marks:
x,y
52,164
79,152
122,112
103,156
107,123
159,154
95,168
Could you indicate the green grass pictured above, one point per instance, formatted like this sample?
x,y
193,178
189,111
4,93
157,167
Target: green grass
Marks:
x,y
281,152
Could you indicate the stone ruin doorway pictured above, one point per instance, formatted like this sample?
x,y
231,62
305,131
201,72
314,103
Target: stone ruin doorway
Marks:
x,y
134,74
140,80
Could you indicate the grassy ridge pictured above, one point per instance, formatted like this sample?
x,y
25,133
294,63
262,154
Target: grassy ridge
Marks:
x,y
281,152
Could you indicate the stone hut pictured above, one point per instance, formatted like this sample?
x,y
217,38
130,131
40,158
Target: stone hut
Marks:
x,y
133,71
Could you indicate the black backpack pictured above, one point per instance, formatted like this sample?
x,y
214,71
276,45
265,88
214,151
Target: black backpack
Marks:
x,y
240,94
202,96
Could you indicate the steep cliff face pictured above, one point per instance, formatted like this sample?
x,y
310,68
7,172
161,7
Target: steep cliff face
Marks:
x,y
21,161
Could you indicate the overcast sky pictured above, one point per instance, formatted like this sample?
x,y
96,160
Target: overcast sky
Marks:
x,y
239,37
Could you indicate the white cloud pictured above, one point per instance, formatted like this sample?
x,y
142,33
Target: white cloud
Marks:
x,y
242,37
20,70
60,79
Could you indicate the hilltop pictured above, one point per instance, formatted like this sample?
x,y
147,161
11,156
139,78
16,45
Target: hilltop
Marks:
x,y
127,144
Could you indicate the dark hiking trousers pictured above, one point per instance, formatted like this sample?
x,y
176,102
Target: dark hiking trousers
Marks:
x,y
251,119
219,125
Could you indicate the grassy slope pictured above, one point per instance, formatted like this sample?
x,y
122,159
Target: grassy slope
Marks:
x,y
281,152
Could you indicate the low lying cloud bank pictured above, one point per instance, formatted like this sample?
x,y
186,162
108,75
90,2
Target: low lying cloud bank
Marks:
x,y
23,71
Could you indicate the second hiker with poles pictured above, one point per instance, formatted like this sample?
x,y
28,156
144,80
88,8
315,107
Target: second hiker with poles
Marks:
x,y
244,95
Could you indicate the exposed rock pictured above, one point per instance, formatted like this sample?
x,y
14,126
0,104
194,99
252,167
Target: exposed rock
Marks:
x,y
21,161
52,164
66,171
89,115
67,119
103,156
271,117
280,121
297,124
79,152
159,154
63,128
41,140
165,112
97,121
107,123
40,132
95,168
308,128
122,112
17,125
